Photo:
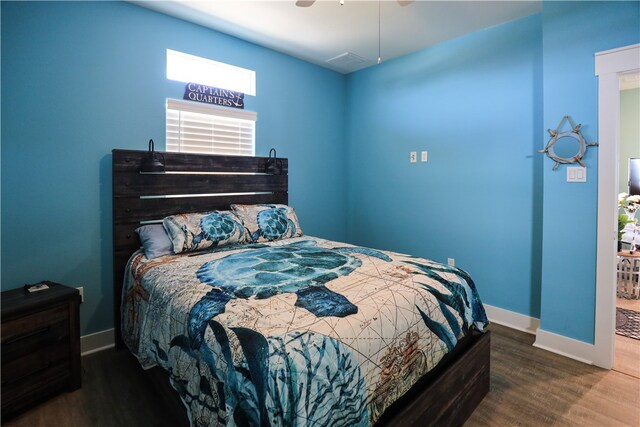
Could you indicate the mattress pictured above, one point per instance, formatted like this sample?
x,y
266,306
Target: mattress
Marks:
x,y
302,331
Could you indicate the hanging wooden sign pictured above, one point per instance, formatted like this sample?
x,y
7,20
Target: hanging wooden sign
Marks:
x,y
213,95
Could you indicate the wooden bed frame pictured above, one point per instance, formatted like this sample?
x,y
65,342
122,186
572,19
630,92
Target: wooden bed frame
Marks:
x,y
446,396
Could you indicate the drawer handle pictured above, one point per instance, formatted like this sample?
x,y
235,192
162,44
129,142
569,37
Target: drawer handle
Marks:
x,y
22,377
27,335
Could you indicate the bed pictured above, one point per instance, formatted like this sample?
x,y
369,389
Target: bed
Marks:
x,y
290,331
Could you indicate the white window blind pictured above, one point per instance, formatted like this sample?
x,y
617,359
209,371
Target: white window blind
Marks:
x,y
194,127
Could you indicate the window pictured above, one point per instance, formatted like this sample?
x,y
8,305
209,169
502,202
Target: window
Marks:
x,y
190,68
195,127
201,128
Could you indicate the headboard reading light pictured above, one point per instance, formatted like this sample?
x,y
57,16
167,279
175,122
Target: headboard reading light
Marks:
x,y
273,165
151,162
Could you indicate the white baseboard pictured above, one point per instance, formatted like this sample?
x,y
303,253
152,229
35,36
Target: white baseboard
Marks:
x,y
564,346
512,319
545,340
98,341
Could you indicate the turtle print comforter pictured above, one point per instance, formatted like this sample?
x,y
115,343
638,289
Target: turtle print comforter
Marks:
x,y
302,331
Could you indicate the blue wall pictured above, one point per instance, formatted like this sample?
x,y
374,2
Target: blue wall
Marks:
x,y
473,103
480,105
572,33
82,78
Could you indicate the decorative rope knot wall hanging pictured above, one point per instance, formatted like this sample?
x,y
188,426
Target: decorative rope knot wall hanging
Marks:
x,y
575,135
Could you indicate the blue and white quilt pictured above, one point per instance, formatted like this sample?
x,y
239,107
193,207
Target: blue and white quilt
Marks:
x,y
295,332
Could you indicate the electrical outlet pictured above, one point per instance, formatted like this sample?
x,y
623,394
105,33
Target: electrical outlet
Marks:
x,y
423,156
413,156
451,262
81,290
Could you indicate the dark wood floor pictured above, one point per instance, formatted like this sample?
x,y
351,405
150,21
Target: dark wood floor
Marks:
x,y
115,393
529,387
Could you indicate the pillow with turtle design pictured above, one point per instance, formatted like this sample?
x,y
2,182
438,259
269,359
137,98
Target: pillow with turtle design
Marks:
x,y
196,231
265,223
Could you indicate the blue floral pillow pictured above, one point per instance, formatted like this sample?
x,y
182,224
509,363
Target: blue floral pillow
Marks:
x,y
268,222
197,231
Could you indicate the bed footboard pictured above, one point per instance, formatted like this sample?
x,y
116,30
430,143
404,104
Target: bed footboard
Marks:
x,y
445,398
449,398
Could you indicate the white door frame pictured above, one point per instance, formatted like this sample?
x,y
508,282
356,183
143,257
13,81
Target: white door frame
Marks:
x,y
610,65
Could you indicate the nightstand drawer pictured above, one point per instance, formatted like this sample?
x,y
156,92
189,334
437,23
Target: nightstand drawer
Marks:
x,y
18,329
36,340
33,387
33,363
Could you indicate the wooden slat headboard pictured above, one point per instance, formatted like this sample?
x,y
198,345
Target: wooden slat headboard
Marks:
x,y
191,183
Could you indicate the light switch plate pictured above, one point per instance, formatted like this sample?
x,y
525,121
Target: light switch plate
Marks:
x,y
423,156
413,156
576,174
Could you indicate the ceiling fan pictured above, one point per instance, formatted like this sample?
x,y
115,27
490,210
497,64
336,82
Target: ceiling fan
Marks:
x,y
307,3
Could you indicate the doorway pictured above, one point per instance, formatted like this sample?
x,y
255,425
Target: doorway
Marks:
x,y
610,65
627,339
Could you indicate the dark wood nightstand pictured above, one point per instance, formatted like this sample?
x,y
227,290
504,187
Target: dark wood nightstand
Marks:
x,y
40,345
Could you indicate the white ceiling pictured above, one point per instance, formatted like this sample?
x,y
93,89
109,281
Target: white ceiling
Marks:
x,y
326,29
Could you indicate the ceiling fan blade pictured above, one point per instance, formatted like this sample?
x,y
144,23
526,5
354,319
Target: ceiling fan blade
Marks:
x,y
404,2
305,3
